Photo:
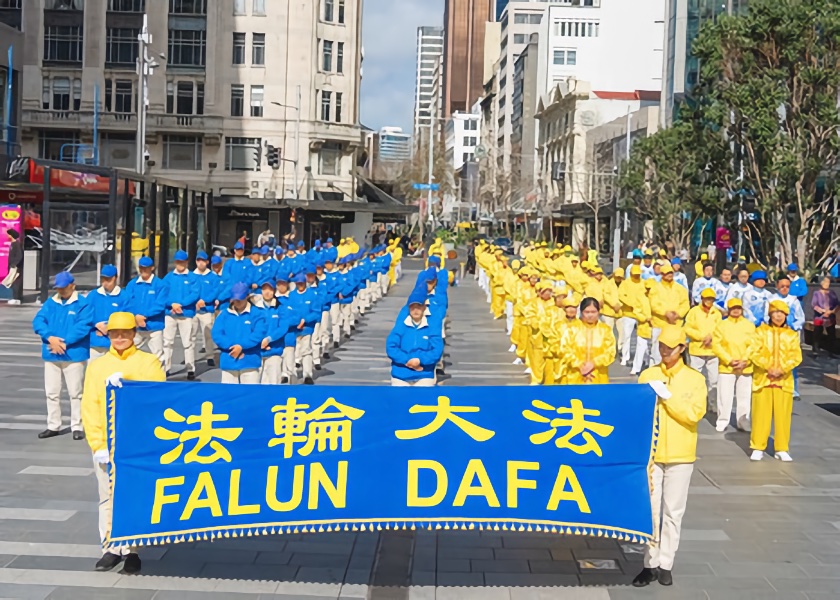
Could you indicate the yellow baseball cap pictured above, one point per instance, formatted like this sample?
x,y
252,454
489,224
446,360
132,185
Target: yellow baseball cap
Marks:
x,y
635,270
121,320
704,256
543,285
618,273
648,252
515,265
666,268
779,305
597,270
708,293
734,303
672,336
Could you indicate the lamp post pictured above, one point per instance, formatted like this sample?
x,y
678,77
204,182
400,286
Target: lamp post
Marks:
x,y
145,67
297,109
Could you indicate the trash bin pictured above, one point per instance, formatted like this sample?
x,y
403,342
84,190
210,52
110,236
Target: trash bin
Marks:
x,y
31,269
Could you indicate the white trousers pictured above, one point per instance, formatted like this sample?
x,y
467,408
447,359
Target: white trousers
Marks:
x,y
398,271
609,322
73,374
642,354
508,317
150,341
272,370
384,282
242,376
734,387
708,365
203,326
346,318
97,352
668,500
316,343
326,331
655,357
428,382
303,355
335,321
626,326
103,487
289,368
181,327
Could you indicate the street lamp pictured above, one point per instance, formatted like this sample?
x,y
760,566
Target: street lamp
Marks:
x,y
145,67
295,162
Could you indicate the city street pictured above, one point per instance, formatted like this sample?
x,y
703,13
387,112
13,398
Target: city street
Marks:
x,y
752,530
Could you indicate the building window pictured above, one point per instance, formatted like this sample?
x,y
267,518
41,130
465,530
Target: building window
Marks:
x,y
128,6
187,48
329,9
182,152
565,57
338,102
257,97
119,96
64,5
239,7
519,38
58,145
339,58
121,46
239,48
341,10
61,94
10,4
520,19
329,159
326,105
471,125
237,100
259,8
63,43
185,98
470,141
242,154
188,7
326,63
258,49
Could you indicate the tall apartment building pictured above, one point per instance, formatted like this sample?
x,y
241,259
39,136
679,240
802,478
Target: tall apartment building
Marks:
x,y
463,53
429,53
523,124
232,77
394,145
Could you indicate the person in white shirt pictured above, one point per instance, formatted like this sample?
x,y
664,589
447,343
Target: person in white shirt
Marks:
x,y
701,283
739,289
679,276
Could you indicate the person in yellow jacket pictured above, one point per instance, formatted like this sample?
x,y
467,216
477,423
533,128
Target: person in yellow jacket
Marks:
x,y
352,246
437,249
511,279
396,252
122,362
343,248
575,277
616,313
589,347
732,344
668,306
536,312
775,354
700,265
604,290
700,325
527,293
631,295
680,406
644,329
552,327
497,298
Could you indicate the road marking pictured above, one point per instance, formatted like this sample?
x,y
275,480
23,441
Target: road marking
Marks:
x,y
57,471
25,426
35,514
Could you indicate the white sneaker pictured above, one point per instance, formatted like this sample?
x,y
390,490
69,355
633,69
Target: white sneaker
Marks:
x,y
512,348
721,428
784,457
623,363
757,455
528,371
518,361
13,303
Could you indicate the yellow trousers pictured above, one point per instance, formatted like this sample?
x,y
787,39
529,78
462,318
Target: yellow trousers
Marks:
x,y
536,358
776,405
392,274
553,371
497,303
520,337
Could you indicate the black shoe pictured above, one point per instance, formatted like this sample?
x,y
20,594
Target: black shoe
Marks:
x,y
48,433
326,355
308,381
108,562
211,363
191,376
297,366
665,577
336,344
284,380
317,367
132,564
168,374
78,435
352,328
646,577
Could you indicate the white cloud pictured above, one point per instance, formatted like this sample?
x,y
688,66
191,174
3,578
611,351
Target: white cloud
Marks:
x,y
390,42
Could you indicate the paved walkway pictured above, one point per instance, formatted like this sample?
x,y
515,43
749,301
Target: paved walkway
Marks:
x,y
762,531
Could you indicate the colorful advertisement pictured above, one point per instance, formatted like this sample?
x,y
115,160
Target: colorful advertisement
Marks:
x,y
200,461
10,218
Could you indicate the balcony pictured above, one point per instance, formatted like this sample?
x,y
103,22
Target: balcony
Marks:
x,y
76,119
209,126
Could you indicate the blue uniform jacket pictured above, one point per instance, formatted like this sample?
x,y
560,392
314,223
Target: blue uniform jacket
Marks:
x,y
102,306
69,320
184,289
278,319
248,330
237,270
148,299
209,288
290,340
331,254
345,286
407,341
305,306
330,284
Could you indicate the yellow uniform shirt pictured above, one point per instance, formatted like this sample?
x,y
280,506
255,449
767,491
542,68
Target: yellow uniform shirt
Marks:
x,y
775,348
698,325
733,339
665,297
631,294
582,343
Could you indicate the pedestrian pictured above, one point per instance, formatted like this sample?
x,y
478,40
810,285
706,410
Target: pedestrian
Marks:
x,y
14,276
647,265
239,333
414,345
209,282
680,405
236,268
637,262
776,352
278,319
700,325
631,294
706,281
183,292
123,362
63,323
644,330
668,304
798,285
147,302
282,293
679,276
732,344
739,289
588,348
104,301
307,312
825,305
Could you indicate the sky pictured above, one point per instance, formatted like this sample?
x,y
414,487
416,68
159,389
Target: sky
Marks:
x,y
389,30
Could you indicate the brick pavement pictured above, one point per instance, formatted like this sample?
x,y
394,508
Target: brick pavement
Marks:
x,y
763,530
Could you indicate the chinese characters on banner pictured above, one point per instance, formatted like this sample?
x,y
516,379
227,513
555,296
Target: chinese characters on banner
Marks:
x,y
196,461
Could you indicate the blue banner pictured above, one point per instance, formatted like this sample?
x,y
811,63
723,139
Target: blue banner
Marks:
x,y
199,461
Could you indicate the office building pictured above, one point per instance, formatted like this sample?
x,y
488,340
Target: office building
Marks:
x,y
462,136
523,125
393,145
429,53
463,54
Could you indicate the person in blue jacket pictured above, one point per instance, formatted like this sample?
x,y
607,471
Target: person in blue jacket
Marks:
x,y
414,346
183,292
235,268
346,296
283,296
64,324
330,251
278,320
104,301
442,286
209,283
289,264
798,285
304,302
239,332
320,294
328,286
146,297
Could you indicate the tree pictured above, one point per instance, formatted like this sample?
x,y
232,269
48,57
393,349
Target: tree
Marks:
x,y
416,170
769,80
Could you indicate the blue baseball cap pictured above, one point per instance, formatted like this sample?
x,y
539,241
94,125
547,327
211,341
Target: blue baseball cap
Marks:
x,y
300,278
63,279
181,256
239,246
676,261
300,244
239,291
264,250
317,243
279,250
281,277
329,240
417,297
145,262
793,268
758,275
108,271
434,260
267,281
215,260
637,253
201,255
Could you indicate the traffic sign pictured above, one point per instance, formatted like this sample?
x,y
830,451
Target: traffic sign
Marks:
x,y
426,187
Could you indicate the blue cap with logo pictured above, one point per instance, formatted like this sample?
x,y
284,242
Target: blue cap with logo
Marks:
x,y
181,256
418,296
793,268
145,262
329,240
215,260
676,261
63,279
300,244
108,271
300,278
756,275
239,291
434,260
267,280
201,255
317,243
239,246
264,250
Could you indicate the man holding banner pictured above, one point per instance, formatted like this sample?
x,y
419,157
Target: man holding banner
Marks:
x,y
123,361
